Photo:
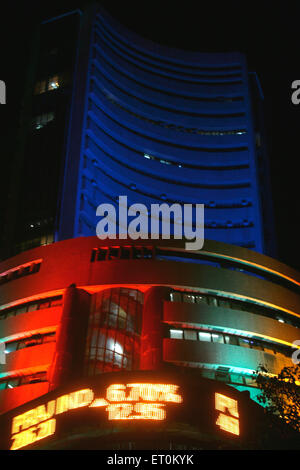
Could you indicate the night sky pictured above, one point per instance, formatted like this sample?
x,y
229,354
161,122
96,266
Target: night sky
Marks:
x,y
266,33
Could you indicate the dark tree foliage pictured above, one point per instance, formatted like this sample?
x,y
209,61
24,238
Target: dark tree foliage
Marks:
x,y
280,395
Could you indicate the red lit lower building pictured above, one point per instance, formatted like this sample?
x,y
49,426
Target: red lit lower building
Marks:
x,y
102,337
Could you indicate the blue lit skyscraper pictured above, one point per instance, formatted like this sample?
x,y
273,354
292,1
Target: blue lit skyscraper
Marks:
x,y
162,125
130,117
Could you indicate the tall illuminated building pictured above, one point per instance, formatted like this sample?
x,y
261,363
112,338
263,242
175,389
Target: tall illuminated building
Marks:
x,y
108,114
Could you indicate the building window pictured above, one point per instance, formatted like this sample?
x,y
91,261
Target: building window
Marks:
x,y
203,336
222,373
213,301
113,339
176,334
48,84
12,382
169,125
232,339
236,378
42,120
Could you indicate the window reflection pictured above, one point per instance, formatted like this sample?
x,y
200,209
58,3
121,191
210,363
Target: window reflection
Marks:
x,y
113,340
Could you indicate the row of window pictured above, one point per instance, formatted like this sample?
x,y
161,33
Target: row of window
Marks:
x,y
179,165
169,125
239,266
223,373
217,301
94,106
22,271
118,308
222,204
31,306
12,382
34,340
229,224
113,355
225,338
122,252
159,62
100,60
113,332
42,240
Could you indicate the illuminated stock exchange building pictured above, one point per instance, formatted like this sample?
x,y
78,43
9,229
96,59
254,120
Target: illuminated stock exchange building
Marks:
x,y
123,344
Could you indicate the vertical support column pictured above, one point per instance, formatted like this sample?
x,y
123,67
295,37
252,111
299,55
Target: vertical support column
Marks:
x,y
68,360
152,330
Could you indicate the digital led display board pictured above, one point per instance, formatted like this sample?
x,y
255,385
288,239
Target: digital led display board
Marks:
x,y
122,402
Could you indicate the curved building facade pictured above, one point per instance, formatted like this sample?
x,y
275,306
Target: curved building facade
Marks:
x,y
83,307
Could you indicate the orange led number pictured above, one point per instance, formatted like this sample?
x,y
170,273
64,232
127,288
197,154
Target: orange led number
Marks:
x,y
228,418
